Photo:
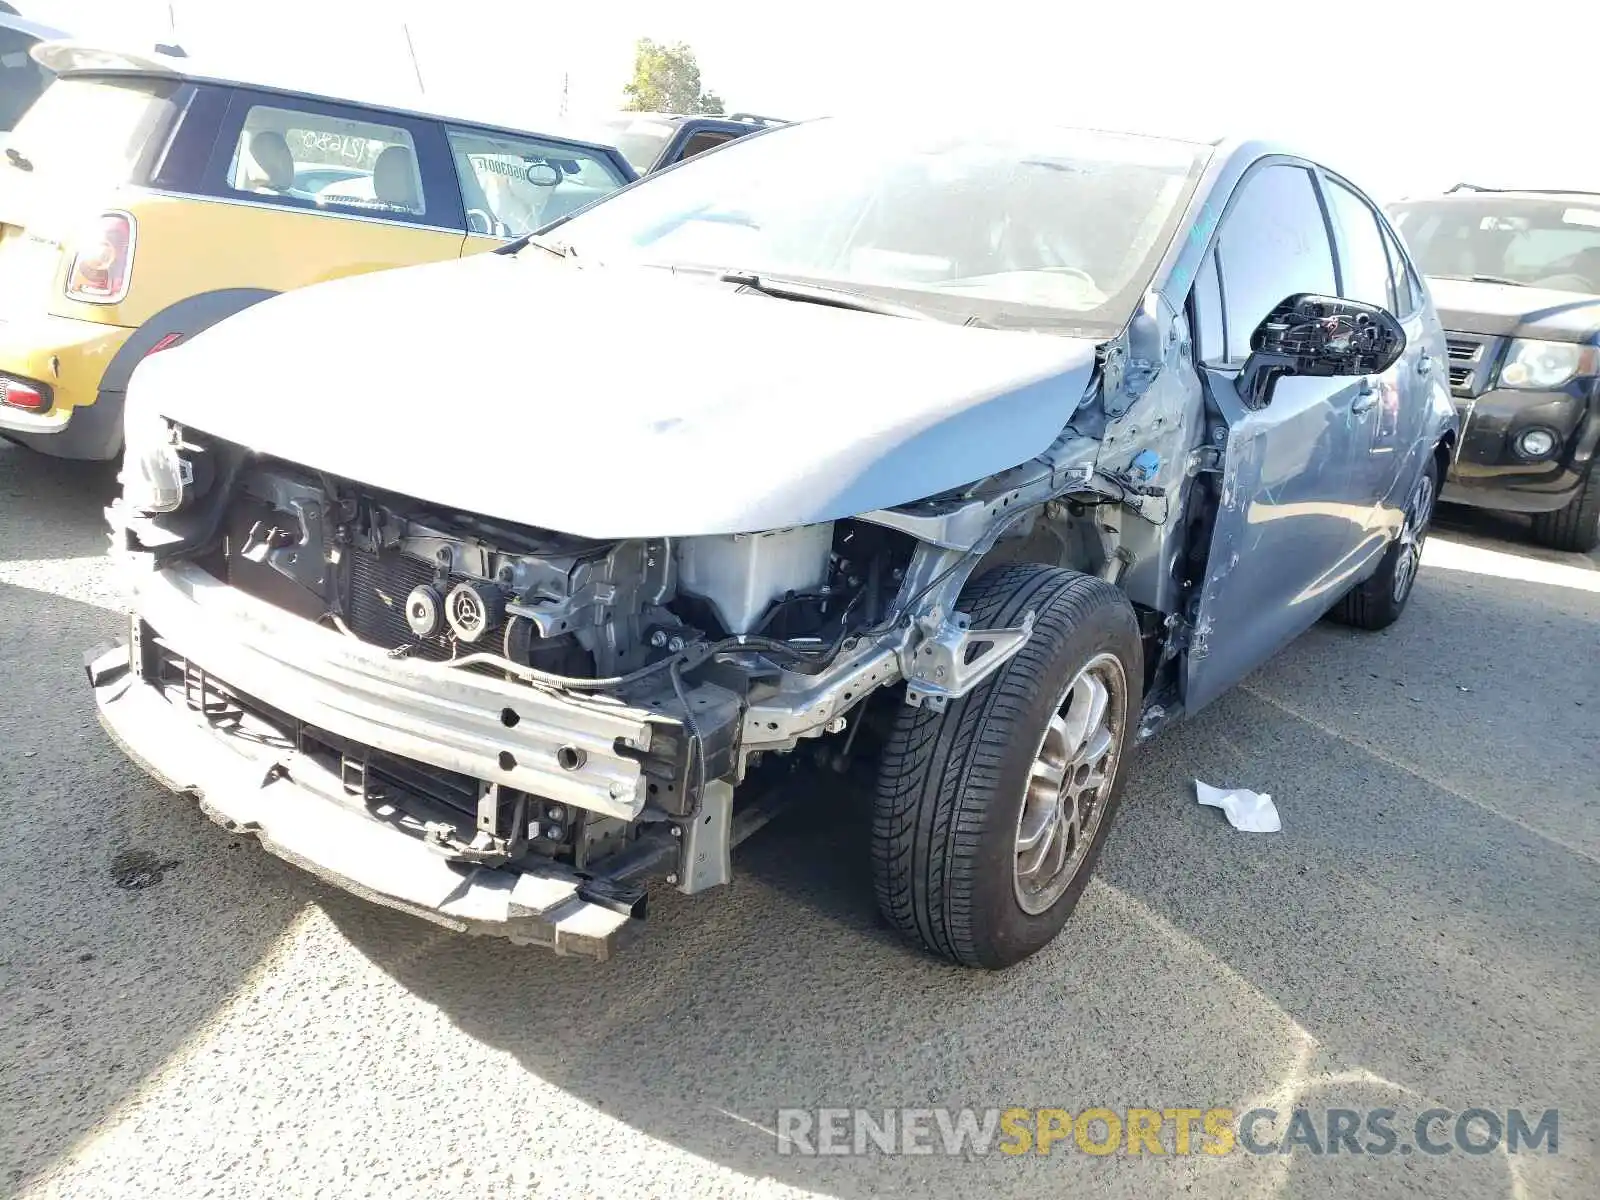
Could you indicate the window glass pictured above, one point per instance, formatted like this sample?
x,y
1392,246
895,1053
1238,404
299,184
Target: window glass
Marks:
x,y
1537,240
701,142
514,185
1033,225
1274,244
333,162
21,79
92,131
1208,330
640,139
1362,257
1407,291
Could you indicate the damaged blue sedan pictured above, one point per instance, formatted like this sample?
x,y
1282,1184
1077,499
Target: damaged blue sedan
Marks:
x,y
964,460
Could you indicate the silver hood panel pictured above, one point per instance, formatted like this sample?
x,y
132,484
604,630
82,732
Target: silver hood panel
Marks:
x,y
617,402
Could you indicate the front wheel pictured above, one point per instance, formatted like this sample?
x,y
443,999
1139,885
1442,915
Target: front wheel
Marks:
x,y
989,816
1577,526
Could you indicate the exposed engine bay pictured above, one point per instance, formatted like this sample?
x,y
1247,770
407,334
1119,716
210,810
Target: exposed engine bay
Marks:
x,y
740,645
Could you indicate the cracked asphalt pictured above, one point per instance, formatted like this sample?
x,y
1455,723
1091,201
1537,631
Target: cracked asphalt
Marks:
x,y
186,1016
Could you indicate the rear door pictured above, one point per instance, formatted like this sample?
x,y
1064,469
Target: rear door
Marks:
x,y
1429,380
1390,399
511,184
1291,529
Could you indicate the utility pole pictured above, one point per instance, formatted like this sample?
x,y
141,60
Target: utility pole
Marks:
x,y
566,87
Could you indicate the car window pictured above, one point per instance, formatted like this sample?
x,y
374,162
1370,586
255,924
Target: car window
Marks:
x,y
1210,343
311,157
21,79
512,185
699,143
1363,261
1273,244
640,140
1407,290
93,131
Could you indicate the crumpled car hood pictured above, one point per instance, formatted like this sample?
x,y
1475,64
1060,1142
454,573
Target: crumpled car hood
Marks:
x,y
617,402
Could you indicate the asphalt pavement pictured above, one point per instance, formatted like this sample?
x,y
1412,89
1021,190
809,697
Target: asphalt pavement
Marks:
x,y
185,1016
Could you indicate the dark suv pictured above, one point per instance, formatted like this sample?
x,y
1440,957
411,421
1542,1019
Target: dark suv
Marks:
x,y
1516,278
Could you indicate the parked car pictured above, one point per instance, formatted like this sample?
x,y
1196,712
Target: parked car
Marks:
x,y
143,199
21,78
1517,278
651,141
981,455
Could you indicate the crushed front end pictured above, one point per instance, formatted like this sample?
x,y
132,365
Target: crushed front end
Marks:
x,y
503,729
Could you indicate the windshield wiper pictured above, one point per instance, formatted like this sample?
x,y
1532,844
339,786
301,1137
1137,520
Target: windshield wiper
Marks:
x,y
832,297
559,249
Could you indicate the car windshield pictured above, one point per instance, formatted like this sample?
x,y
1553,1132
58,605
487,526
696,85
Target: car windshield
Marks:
x,y
1052,228
1542,242
639,139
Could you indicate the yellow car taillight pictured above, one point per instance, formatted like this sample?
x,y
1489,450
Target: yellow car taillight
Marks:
x,y
103,263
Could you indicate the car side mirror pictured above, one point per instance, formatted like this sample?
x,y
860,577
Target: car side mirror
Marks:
x,y
1319,335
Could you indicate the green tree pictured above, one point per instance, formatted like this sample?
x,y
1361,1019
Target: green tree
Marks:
x,y
667,79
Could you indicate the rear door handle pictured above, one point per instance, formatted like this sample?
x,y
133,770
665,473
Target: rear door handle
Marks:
x,y
1366,399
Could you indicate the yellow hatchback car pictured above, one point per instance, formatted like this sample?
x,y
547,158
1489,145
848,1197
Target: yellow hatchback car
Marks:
x,y
141,202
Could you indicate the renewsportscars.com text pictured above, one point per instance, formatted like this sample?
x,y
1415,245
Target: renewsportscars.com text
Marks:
x,y
1164,1131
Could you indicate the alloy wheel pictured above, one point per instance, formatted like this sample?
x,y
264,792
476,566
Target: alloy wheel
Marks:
x,y
1412,535
1069,782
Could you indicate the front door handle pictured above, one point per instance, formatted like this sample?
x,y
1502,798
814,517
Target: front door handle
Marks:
x,y
1366,399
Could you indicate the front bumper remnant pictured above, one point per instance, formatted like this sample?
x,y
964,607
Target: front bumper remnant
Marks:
x,y
247,788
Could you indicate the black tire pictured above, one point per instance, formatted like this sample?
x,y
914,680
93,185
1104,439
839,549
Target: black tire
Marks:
x,y
1577,526
1378,603
952,784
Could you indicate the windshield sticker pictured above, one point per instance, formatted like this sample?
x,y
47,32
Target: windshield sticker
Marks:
x,y
1581,216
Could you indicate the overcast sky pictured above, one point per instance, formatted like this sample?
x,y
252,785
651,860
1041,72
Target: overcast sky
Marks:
x,y
1404,95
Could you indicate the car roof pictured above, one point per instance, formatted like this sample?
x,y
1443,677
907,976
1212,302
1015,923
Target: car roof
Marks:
x,y
69,57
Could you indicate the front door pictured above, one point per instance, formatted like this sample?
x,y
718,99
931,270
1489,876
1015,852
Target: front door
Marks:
x,y
1291,530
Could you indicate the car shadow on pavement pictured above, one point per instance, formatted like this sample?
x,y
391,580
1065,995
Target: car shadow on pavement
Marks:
x,y
1506,532
57,505
1401,943
129,919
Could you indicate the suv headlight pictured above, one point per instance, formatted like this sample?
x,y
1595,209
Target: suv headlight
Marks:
x,y
1541,365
